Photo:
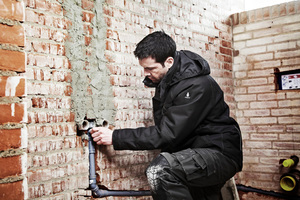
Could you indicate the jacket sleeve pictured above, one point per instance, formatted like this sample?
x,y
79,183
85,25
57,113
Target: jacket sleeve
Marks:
x,y
185,108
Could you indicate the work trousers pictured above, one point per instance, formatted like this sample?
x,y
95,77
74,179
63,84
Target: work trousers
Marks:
x,y
191,174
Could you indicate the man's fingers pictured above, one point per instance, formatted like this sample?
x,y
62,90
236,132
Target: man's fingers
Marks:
x,y
102,136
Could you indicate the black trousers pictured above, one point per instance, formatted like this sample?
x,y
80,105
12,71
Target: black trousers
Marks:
x,y
191,174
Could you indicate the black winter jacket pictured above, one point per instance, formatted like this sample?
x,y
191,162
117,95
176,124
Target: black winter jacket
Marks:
x,y
189,112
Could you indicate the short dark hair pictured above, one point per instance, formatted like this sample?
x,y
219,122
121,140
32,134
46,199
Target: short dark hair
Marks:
x,y
158,45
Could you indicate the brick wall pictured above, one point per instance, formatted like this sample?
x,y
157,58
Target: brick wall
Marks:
x,y
56,161
72,59
12,104
266,39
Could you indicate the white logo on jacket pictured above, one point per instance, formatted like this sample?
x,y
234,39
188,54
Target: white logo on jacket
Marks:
x,y
187,96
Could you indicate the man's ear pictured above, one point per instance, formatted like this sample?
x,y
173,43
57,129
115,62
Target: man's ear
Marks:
x,y
169,62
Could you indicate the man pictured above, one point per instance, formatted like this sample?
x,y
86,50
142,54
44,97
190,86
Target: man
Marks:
x,y
201,145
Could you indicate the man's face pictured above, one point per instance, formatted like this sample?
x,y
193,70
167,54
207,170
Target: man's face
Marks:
x,y
153,70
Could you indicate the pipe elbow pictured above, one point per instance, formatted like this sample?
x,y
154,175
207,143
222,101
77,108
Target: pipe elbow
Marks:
x,y
97,192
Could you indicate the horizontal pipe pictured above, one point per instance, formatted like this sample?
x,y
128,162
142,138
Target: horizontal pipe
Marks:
x,y
269,193
99,193
104,193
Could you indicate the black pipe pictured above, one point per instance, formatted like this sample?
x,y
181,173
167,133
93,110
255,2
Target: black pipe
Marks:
x,y
269,193
99,193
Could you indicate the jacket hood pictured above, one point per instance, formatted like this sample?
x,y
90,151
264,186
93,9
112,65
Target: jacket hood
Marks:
x,y
186,65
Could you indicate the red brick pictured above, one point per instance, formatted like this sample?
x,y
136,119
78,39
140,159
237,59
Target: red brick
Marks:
x,y
12,113
10,139
87,5
12,9
7,169
12,86
12,60
53,7
226,51
275,11
68,91
88,30
87,40
7,188
12,35
243,17
252,16
259,14
291,7
87,16
282,9
266,12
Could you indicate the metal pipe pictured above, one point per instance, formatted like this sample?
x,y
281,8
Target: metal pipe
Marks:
x,y
269,193
99,193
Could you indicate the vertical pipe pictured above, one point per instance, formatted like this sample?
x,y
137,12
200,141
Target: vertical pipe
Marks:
x,y
98,193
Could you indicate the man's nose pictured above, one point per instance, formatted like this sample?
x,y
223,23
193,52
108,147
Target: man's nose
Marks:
x,y
146,72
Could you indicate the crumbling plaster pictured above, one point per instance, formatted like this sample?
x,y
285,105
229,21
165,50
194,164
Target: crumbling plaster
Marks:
x,y
92,92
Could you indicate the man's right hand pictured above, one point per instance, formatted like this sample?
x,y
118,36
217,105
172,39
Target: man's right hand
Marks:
x,y
102,135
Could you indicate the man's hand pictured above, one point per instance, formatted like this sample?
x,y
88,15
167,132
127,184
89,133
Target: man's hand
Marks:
x,y
102,135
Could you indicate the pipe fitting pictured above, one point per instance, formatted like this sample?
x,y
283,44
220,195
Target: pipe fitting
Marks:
x,y
96,192
290,181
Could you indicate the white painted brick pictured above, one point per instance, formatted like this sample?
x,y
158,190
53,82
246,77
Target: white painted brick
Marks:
x,y
239,45
240,74
243,36
287,37
253,50
287,54
291,27
267,32
259,25
291,61
286,20
259,42
267,64
260,57
254,81
281,46
238,29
